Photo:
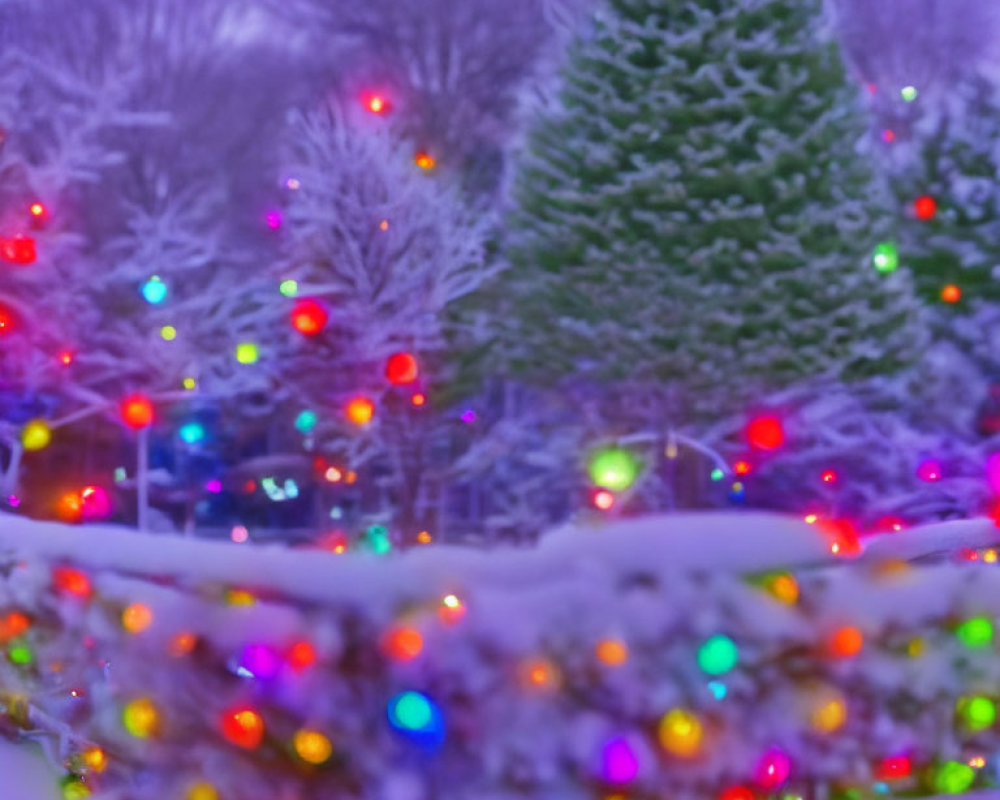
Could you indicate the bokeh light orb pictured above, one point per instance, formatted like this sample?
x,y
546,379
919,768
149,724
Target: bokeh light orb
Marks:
x,y
141,718
312,746
95,503
885,257
401,369
619,761
360,410
309,317
614,469
137,411
718,655
36,435
417,717
247,353
681,733
154,291
243,727
773,769
765,433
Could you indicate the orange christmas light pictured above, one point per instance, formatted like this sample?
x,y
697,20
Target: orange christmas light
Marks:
x,y
243,727
846,642
360,410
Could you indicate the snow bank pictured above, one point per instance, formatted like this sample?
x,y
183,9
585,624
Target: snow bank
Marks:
x,y
544,673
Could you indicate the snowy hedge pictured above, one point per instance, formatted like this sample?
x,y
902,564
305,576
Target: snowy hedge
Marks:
x,y
641,660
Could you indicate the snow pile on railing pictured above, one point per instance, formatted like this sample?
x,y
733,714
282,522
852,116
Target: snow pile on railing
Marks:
x,y
694,656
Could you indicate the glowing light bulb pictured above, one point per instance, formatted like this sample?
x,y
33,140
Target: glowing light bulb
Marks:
x,y
247,353
301,656
977,713
925,208
137,618
612,652
190,384
424,537
67,580
885,257
424,161
718,655
846,642
202,791
154,291
929,470
773,769
289,288
951,293
401,368
306,421
954,777
403,644
168,333
141,718
614,469
137,411
37,210
312,747
360,410
909,93
829,476
765,433
681,733
417,717
619,762
36,435
182,644
191,432
604,500
239,534
975,633
742,467
383,225
309,317
242,727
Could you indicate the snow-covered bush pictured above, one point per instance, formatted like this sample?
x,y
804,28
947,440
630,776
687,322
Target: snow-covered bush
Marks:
x,y
687,655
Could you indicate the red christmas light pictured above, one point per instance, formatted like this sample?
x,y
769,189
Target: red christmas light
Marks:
x,y
66,358
951,293
137,411
18,250
419,399
67,580
742,467
37,210
925,207
736,793
894,768
765,433
243,727
604,500
7,321
829,476
301,656
376,103
309,317
401,368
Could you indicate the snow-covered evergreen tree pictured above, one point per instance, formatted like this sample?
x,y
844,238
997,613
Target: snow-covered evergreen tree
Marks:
x,y
951,243
699,212
378,251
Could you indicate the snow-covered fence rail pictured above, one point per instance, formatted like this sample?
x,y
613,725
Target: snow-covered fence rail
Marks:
x,y
681,657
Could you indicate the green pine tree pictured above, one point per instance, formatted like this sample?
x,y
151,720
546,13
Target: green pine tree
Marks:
x,y
954,255
698,214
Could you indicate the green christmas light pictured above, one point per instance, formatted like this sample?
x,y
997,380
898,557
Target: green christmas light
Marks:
x,y
954,777
378,539
306,421
909,93
20,654
978,713
718,474
976,632
885,257
614,469
718,655
289,288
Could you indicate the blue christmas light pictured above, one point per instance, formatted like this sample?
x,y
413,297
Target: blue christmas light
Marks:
x,y
417,717
192,432
306,421
154,291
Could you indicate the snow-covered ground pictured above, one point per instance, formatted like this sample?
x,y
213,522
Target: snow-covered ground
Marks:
x,y
25,775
